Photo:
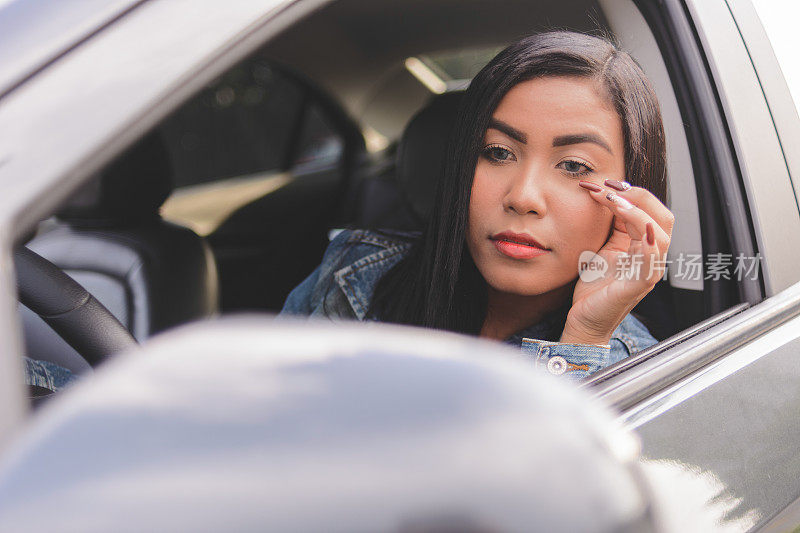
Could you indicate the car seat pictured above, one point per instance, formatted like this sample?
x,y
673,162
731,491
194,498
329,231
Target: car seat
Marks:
x,y
401,196
150,273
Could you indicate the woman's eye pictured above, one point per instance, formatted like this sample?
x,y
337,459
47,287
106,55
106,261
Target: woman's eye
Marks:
x,y
576,168
497,154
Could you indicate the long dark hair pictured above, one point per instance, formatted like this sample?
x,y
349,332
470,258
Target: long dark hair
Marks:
x,y
437,284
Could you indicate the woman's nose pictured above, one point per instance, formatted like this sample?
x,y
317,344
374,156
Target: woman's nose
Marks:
x,y
526,194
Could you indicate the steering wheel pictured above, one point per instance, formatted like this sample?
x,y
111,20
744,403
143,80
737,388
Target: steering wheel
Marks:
x,y
78,318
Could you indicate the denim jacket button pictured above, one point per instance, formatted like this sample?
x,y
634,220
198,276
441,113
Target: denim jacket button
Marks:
x,y
557,365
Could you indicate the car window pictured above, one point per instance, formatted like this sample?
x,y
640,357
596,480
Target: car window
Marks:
x,y
245,135
255,155
239,125
320,145
255,130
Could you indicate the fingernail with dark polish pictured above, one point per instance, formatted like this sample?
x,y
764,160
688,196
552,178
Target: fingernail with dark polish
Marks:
x,y
619,201
651,234
590,186
618,185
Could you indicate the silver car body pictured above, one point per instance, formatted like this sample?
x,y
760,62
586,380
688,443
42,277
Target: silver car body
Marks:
x,y
718,398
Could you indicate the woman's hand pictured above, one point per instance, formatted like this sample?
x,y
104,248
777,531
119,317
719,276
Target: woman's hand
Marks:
x,y
635,254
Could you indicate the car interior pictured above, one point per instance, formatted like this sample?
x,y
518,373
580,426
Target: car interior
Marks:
x,y
340,121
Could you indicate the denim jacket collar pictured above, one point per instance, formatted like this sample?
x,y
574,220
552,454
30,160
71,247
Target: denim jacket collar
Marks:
x,y
358,280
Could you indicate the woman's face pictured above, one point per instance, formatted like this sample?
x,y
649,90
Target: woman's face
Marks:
x,y
545,136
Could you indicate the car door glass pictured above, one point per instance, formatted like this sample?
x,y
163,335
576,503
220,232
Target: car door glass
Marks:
x,y
232,143
320,145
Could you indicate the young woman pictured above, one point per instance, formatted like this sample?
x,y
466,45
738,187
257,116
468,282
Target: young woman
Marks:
x,y
557,154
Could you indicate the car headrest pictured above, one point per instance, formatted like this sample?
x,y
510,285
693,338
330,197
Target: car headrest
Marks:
x,y
422,149
131,189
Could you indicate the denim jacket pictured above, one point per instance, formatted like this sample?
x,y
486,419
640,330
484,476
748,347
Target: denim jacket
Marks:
x,y
343,284
46,375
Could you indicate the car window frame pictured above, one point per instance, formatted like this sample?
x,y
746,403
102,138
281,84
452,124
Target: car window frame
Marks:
x,y
650,373
354,143
633,381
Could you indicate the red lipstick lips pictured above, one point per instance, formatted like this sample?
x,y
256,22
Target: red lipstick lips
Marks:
x,y
517,245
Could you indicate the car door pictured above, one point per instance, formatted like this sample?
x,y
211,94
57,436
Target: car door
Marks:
x,y
718,402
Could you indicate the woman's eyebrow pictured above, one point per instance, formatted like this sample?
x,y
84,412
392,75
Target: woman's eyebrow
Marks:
x,y
562,140
579,138
509,130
